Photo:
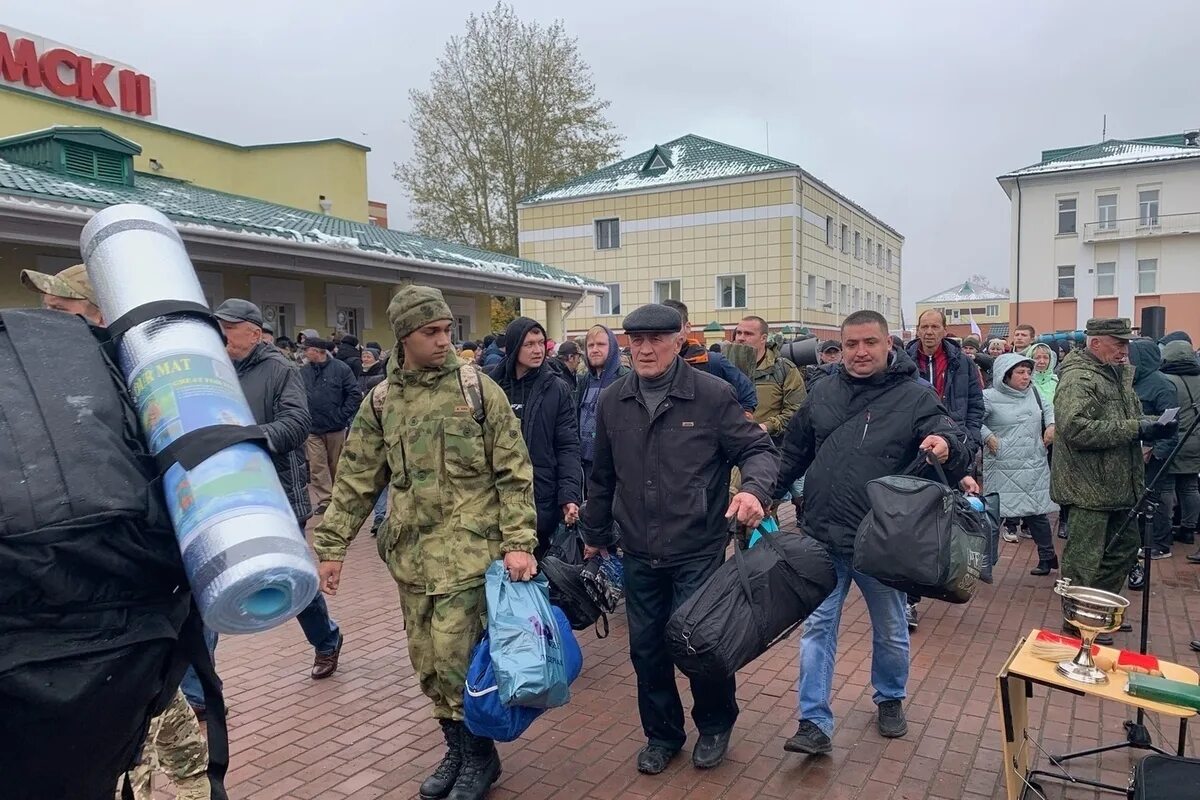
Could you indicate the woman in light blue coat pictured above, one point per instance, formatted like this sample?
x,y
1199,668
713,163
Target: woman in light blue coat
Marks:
x,y
1017,429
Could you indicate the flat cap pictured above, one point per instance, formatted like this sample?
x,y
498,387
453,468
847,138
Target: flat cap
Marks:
x,y
830,344
653,318
71,283
567,349
1116,327
237,310
972,341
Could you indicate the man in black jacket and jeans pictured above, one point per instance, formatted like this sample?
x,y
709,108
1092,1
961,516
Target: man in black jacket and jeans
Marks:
x,y
542,402
869,419
672,433
333,399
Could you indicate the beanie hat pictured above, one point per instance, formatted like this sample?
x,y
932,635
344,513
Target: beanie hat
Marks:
x,y
972,341
414,307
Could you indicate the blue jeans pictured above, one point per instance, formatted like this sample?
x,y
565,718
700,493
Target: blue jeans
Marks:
x,y
381,507
818,645
319,628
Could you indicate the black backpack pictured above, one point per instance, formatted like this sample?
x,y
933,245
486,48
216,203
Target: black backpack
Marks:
x,y
96,618
569,591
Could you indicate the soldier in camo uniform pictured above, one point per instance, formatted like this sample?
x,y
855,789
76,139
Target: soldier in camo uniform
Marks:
x,y
173,746
443,438
1098,466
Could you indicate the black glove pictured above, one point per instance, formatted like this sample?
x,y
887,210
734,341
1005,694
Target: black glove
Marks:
x,y
1151,431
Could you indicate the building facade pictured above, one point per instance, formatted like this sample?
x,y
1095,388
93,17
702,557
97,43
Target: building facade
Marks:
x,y
1107,230
970,302
727,231
283,225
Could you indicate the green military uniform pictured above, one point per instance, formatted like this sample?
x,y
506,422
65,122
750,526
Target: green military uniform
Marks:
x,y
1097,470
780,389
173,746
461,496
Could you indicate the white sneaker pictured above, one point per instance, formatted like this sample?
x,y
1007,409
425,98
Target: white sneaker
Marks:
x,y
1010,536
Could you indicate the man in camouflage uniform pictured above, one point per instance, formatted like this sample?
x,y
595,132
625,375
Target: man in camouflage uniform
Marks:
x,y
1098,471
778,383
461,497
174,744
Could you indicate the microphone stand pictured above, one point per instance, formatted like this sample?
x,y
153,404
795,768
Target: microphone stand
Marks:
x,y
1137,735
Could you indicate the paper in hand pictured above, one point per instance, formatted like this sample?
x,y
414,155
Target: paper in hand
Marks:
x,y
1168,415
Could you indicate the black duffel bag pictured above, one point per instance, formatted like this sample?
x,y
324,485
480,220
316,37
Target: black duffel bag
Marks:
x,y
921,536
753,601
1159,777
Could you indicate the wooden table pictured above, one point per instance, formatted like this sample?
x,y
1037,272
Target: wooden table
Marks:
x,y
1014,687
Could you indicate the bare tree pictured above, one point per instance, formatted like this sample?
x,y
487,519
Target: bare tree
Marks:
x,y
511,109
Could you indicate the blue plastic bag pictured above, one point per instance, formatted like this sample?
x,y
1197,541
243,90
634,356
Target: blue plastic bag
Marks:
x,y
767,526
524,640
485,715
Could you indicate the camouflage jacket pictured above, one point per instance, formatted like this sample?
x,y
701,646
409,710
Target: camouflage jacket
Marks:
x,y
1097,460
780,389
461,493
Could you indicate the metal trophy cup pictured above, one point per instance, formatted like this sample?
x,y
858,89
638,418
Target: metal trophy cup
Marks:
x,y
1091,612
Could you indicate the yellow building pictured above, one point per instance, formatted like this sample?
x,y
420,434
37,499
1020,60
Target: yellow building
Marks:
x,y
283,225
727,231
969,302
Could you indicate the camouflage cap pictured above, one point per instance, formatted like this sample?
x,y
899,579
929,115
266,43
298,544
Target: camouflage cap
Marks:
x,y
72,283
414,307
1116,327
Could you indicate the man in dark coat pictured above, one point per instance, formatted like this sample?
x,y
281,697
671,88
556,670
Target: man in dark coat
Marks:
x,y
672,434
953,375
543,404
347,351
333,398
868,419
275,393
1157,394
565,363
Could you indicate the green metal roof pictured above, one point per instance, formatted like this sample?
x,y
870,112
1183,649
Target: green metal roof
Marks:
x,y
187,203
692,158
1110,153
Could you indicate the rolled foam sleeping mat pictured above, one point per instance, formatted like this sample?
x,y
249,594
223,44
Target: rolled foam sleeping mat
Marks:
x,y
245,555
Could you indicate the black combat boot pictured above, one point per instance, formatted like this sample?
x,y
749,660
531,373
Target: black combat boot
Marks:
x,y
439,784
480,768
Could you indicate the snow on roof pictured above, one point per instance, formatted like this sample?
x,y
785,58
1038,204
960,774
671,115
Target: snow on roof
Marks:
x,y
966,292
1110,153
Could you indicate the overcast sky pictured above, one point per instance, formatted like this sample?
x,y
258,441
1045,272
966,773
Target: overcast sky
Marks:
x,y
911,109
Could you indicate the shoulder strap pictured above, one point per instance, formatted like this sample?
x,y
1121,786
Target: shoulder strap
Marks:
x,y
1179,381
378,396
780,370
468,381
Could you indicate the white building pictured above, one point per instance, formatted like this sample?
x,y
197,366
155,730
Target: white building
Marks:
x,y
1105,231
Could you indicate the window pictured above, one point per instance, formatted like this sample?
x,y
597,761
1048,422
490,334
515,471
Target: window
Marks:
x,y
870,251
667,290
1106,211
829,231
1147,275
857,300
887,308
879,303
1148,208
1106,279
1066,216
842,297
812,291
611,304
870,297
992,311
858,245
889,260
955,313
731,291
829,294
608,234
1066,281
845,239
879,254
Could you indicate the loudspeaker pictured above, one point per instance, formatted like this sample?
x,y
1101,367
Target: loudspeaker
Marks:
x,y
802,352
1154,322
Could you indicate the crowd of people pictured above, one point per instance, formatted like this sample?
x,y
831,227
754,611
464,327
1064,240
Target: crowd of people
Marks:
x,y
461,455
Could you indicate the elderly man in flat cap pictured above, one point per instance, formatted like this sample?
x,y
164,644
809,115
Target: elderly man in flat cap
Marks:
x,y
442,437
1098,470
672,433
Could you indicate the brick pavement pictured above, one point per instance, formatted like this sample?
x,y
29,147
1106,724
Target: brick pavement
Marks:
x,y
366,732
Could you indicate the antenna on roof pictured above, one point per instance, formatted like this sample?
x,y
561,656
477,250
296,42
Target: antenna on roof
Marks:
x,y
767,123
1104,129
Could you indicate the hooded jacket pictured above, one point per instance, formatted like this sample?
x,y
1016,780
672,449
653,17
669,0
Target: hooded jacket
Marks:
x,y
1183,370
333,394
1153,389
1046,382
717,365
275,392
852,430
548,424
350,355
1097,460
963,391
491,356
587,394
1019,471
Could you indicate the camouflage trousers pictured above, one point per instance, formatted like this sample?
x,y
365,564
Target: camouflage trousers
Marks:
x,y
442,630
1084,559
173,746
